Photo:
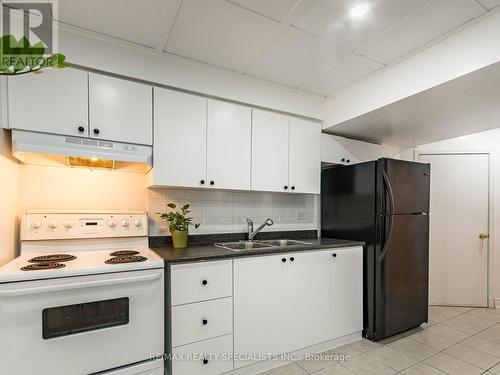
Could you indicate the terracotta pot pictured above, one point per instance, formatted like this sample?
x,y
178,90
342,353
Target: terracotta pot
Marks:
x,y
179,238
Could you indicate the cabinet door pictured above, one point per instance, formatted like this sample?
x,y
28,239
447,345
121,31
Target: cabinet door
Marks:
x,y
180,154
308,294
259,306
269,151
55,101
346,269
120,110
228,145
305,151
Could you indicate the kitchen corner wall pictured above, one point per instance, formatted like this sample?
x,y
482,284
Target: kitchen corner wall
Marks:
x,y
226,212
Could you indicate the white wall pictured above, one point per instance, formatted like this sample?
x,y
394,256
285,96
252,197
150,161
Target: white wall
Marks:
x,y
142,63
483,141
470,49
9,200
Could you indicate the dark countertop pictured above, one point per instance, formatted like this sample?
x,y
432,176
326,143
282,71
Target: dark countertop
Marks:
x,y
198,253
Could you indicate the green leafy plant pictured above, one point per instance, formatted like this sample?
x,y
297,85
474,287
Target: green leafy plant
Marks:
x,y
177,220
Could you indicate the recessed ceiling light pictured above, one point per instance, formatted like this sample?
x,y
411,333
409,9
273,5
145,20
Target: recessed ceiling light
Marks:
x,y
359,10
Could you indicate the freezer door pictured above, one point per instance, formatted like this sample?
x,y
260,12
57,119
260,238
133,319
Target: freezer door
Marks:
x,y
402,274
407,182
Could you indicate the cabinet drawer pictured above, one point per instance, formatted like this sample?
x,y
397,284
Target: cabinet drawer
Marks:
x,y
189,359
196,282
201,321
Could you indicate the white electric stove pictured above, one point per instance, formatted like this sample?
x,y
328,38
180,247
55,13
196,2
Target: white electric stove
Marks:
x,y
86,295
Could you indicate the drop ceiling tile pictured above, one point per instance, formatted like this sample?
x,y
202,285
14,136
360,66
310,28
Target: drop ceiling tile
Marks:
x,y
490,4
276,9
295,58
428,23
217,32
342,74
332,20
131,20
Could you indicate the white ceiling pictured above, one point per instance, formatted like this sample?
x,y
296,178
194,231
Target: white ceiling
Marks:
x,y
310,45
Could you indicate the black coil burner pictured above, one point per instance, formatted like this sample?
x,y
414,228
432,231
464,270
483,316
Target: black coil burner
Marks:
x,y
52,258
126,259
123,252
42,266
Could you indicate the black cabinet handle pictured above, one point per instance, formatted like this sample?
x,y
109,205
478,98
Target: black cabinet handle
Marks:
x,y
293,187
292,259
204,282
205,322
212,183
202,182
348,160
285,187
343,159
283,260
334,255
81,129
96,131
205,361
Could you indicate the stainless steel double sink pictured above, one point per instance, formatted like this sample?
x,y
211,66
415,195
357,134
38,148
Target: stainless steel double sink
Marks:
x,y
264,244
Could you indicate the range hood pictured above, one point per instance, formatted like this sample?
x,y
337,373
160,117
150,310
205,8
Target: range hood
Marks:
x,y
59,150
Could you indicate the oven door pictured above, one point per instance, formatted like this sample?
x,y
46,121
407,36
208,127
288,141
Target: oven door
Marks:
x,y
81,325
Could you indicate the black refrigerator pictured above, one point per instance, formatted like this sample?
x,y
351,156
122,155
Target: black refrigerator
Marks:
x,y
384,203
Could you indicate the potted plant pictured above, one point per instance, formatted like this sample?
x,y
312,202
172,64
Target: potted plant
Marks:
x,y
178,224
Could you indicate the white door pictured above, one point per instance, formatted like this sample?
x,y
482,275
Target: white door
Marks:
x,y
55,101
346,273
120,110
180,153
305,156
308,292
228,145
269,151
260,306
458,215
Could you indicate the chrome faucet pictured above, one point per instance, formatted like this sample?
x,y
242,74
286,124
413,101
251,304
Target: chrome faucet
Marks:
x,y
252,233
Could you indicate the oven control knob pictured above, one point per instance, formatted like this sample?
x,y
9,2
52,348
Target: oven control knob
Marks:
x,y
137,223
125,223
53,224
111,223
68,225
36,224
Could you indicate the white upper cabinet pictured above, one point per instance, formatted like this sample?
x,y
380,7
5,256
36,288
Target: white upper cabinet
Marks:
x,y
120,110
346,270
270,133
228,145
304,160
340,150
55,101
180,139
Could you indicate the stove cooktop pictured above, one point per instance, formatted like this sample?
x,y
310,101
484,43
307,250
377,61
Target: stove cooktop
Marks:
x,y
77,263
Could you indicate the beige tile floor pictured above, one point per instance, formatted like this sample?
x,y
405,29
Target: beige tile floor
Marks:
x,y
456,341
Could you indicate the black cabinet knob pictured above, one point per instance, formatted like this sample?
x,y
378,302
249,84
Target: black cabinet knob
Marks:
x,y
293,188
292,259
212,183
348,160
204,282
81,129
334,255
285,187
96,131
202,182
343,159
283,260
205,322
205,361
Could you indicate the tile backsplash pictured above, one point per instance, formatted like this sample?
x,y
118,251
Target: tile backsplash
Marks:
x,y
226,211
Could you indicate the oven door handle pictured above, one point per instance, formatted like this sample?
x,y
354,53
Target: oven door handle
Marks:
x,y
81,285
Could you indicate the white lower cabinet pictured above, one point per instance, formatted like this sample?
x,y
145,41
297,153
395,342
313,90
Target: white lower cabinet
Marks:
x,y
209,357
346,287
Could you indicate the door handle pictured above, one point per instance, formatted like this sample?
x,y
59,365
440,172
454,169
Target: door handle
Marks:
x,y
484,236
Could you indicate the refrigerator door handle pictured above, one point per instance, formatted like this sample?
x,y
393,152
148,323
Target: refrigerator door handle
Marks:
x,y
388,236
